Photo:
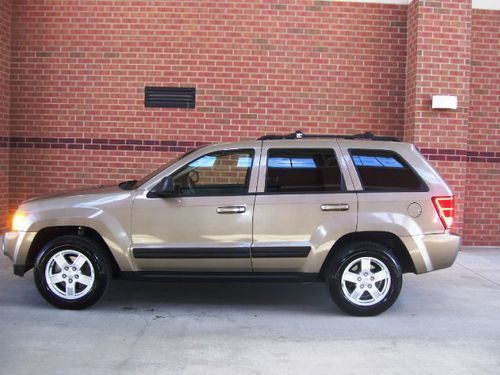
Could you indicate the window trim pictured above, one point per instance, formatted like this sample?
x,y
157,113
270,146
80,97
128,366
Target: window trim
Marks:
x,y
251,151
425,187
342,188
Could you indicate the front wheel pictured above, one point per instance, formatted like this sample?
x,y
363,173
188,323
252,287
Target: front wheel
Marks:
x,y
364,279
72,272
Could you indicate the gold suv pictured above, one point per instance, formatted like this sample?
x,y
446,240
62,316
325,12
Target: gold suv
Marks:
x,y
353,211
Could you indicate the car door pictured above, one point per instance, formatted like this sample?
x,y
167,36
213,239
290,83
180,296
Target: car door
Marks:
x,y
207,224
305,201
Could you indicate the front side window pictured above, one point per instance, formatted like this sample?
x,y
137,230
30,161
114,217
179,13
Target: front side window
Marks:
x,y
217,173
302,170
381,170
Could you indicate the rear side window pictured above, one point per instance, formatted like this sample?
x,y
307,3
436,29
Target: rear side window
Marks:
x,y
302,170
381,170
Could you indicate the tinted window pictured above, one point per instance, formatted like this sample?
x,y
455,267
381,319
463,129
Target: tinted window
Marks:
x,y
302,170
217,173
381,170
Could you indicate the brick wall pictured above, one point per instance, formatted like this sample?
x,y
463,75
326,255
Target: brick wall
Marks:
x,y
79,67
411,72
5,12
482,208
438,63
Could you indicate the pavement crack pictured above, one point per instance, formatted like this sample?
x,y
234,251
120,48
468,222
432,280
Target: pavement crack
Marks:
x,y
478,274
124,363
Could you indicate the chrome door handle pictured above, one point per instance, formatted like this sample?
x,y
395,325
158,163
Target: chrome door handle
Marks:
x,y
231,209
335,207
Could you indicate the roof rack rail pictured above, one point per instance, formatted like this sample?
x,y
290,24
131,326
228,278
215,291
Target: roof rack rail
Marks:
x,y
299,135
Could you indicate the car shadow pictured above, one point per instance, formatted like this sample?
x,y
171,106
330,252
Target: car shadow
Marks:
x,y
307,297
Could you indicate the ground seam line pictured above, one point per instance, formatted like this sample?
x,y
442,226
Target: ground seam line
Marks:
x,y
478,274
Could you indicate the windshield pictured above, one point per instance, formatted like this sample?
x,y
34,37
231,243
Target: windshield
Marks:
x,y
163,167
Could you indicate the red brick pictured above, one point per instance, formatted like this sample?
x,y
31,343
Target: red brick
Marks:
x,y
5,58
435,28
78,71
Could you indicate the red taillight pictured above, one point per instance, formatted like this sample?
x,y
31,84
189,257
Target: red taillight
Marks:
x,y
445,207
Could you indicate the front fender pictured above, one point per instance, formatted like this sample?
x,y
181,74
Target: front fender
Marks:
x,y
109,216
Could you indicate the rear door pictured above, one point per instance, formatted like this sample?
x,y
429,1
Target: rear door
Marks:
x,y
304,203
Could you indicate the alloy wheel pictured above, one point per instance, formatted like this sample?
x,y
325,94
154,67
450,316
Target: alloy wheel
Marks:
x,y
69,274
366,281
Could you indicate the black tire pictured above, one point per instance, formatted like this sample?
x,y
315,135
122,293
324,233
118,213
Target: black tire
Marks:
x,y
97,266
342,292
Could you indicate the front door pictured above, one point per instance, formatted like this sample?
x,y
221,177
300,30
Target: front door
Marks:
x,y
207,224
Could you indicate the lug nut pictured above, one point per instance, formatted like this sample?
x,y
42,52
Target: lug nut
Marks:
x,y
74,268
362,286
64,276
66,268
366,273
76,276
369,285
70,280
359,278
372,278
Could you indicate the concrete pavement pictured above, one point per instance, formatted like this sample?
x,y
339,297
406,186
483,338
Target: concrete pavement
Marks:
x,y
446,322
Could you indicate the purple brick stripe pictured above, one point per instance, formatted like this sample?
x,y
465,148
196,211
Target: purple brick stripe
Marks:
x,y
183,146
460,155
100,144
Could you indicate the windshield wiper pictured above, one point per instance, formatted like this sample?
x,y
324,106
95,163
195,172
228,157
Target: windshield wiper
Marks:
x,y
127,185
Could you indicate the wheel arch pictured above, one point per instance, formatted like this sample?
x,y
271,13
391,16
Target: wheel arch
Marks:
x,y
387,239
47,234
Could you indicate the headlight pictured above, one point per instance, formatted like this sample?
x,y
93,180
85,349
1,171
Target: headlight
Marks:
x,y
18,221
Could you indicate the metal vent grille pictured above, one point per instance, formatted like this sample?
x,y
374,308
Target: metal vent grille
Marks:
x,y
170,97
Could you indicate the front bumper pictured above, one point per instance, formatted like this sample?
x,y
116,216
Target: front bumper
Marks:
x,y
9,242
2,247
16,245
432,252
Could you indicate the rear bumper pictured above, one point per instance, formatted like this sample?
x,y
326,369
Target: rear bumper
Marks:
x,y
432,252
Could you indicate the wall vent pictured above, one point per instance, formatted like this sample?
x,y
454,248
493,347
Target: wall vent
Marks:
x,y
170,97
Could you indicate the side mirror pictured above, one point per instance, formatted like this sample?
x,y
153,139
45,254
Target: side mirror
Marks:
x,y
166,188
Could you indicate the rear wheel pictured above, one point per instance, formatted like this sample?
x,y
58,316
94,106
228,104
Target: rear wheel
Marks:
x,y
364,279
72,272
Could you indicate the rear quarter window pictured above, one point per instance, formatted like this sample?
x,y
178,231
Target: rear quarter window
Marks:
x,y
382,170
